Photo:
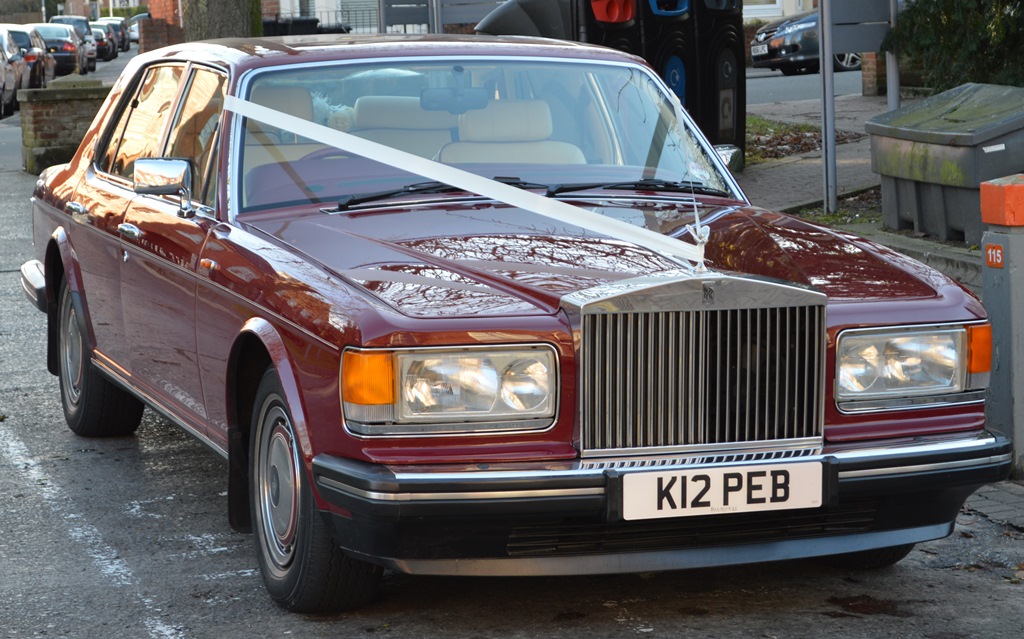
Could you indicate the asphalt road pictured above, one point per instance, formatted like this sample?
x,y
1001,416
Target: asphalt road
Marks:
x,y
127,538
771,86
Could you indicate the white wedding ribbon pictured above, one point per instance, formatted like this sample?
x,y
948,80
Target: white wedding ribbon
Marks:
x,y
470,182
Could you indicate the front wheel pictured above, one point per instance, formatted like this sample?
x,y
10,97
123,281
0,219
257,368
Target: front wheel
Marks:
x,y
847,62
303,569
93,406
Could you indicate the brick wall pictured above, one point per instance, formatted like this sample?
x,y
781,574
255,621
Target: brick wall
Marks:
x,y
54,120
873,75
163,29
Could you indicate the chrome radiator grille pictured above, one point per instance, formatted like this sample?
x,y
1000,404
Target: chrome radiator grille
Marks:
x,y
682,379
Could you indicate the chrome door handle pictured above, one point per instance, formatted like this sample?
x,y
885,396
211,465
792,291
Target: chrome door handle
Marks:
x,y
74,208
129,231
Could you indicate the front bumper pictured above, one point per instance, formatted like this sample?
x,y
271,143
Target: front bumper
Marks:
x,y
563,519
33,283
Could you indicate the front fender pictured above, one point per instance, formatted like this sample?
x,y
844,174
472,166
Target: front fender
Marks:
x,y
258,345
61,264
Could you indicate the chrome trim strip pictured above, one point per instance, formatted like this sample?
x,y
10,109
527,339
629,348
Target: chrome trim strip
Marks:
x,y
148,400
462,496
911,403
879,455
925,468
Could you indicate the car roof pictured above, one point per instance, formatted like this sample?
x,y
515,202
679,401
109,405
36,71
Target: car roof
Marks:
x,y
17,27
247,53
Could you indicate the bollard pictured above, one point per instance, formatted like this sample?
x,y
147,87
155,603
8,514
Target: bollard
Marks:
x,y
1002,209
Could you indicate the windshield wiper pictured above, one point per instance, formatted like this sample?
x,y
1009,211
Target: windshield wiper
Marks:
x,y
646,184
347,201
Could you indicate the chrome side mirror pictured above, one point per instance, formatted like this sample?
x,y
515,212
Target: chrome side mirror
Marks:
x,y
165,176
732,155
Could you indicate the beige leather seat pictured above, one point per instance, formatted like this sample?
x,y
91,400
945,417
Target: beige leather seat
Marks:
x,y
509,131
266,143
400,122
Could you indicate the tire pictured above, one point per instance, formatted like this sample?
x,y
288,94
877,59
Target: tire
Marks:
x,y
303,569
846,62
92,64
93,406
869,559
8,108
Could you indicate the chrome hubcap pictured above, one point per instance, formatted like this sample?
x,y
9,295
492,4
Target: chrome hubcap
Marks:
x,y
71,352
278,477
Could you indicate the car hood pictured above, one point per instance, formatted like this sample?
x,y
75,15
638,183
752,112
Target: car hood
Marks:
x,y
776,25
482,258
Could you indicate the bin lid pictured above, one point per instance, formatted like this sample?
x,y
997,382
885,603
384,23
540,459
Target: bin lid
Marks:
x,y
969,115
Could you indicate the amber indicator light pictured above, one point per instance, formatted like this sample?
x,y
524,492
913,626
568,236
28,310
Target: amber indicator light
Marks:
x,y
368,378
979,348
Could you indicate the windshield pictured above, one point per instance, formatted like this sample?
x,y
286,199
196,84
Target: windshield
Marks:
x,y
538,122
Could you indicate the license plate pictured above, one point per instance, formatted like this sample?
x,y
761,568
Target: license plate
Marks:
x,y
759,49
721,490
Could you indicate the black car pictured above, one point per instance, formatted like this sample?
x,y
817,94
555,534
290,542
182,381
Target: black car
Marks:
x,y
120,30
41,63
106,46
64,44
791,46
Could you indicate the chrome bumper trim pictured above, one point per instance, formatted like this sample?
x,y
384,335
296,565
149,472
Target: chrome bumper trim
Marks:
x,y
33,282
490,481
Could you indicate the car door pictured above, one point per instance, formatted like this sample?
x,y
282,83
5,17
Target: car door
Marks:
x,y
163,237
101,200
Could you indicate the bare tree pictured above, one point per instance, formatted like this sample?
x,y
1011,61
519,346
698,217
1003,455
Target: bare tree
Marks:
x,y
205,19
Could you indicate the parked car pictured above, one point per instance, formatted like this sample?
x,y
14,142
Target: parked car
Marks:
x,y
121,30
106,46
7,86
133,25
84,29
67,48
790,45
559,342
16,71
41,63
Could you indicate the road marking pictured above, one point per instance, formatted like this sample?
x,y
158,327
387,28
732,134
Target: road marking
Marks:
x,y
105,557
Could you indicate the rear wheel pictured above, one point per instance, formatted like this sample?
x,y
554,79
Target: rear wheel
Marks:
x,y
303,569
93,406
869,559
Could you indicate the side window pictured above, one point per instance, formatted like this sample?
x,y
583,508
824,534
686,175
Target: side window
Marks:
x,y
140,126
194,135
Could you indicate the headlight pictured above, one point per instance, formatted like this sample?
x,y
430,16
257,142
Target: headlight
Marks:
x,y
434,391
891,367
796,26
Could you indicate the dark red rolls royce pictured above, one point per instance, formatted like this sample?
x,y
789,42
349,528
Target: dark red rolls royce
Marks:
x,y
480,306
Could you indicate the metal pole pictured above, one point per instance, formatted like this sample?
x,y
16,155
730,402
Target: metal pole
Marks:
x,y
437,17
44,9
892,65
828,106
